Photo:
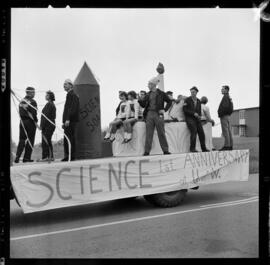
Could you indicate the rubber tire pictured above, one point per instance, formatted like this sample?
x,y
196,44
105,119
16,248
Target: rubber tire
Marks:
x,y
168,199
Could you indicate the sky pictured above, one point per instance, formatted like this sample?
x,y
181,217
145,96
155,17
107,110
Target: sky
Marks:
x,y
206,48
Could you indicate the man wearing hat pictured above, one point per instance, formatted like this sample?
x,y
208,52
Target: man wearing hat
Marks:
x,y
153,104
28,125
192,110
70,119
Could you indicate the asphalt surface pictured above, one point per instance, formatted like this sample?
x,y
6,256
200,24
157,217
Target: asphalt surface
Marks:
x,y
218,220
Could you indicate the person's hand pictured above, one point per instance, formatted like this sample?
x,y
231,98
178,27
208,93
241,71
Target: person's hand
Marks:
x,y
67,123
160,68
196,115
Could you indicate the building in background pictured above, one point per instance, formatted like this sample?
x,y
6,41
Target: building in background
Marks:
x,y
245,122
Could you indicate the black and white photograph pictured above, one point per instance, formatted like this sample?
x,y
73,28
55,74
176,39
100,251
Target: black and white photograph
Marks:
x,y
134,133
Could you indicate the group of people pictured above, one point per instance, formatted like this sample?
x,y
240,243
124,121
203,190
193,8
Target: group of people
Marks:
x,y
29,124
151,108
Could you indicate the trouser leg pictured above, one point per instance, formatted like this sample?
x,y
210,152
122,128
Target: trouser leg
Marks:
x,y
114,126
47,146
44,145
70,132
31,131
128,125
161,133
225,130
21,144
150,127
201,135
230,132
67,133
191,124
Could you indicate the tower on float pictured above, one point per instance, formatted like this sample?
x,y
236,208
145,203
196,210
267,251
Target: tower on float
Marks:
x,y
88,131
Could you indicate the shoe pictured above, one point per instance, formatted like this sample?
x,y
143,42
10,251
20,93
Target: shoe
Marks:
x,y
205,150
166,153
45,159
146,154
230,148
27,160
224,148
17,159
193,151
65,159
195,188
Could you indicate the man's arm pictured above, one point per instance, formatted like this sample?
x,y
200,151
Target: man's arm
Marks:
x,y
167,100
187,108
142,101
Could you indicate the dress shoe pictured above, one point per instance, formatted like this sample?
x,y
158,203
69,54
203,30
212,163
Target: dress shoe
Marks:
x,y
195,188
230,148
27,160
224,148
17,159
146,154
193,151
167,153
65,159
205,150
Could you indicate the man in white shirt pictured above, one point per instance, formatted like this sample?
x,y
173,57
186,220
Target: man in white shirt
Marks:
x,y
205,116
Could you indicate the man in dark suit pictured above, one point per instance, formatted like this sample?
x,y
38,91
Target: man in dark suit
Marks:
x,y
153,104
192,110
70,119
28,125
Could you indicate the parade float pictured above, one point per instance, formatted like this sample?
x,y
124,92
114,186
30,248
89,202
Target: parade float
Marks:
x,y
162,180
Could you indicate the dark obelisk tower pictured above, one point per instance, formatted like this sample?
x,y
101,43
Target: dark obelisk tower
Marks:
x,y
88,131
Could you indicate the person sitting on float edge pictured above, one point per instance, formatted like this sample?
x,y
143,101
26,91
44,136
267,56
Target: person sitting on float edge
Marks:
x,y
205,115
28,125
153,104
118,107
118,121
47,128
70,119
134,113
192,110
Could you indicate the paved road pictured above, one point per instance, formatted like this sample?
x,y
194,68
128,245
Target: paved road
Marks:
x,y
218,220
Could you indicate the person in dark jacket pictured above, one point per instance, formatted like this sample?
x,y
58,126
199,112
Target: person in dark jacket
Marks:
x,y
192,110
153,104
70,119
47,128
28,125
225,109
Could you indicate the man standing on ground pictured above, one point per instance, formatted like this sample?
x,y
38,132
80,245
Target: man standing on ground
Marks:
x,y
153,104
225,109
70,119
192,110
28,125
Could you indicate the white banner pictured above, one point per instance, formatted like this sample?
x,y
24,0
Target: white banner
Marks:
x,y
41,186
